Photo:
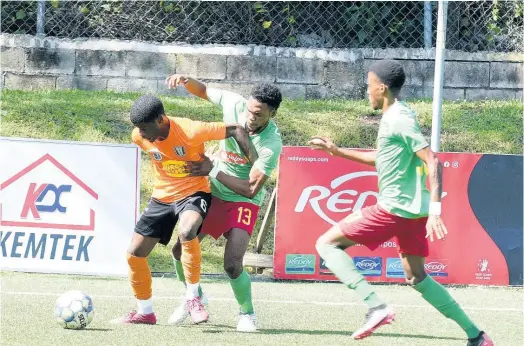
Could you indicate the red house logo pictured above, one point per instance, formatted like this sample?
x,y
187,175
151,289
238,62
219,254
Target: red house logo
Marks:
x,y
52,197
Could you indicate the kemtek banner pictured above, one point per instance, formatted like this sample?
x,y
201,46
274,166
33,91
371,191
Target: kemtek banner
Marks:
x,y
482,209
67,207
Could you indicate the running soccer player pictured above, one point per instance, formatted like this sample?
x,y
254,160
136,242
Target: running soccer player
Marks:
x,y
405,210
236,183
177,198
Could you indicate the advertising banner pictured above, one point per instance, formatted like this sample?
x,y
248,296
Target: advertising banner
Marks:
x,y
481,206
67,207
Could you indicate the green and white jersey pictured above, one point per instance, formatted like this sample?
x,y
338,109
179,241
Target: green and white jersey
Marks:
x,y
231,160
401,174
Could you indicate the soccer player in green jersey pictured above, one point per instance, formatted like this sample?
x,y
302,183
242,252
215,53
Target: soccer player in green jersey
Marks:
x,y
405,209
237,186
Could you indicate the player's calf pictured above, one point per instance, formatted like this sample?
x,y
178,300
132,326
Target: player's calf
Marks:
x,y
141,283
415,278
438,296
181,313
413,268
191,259
236,247
176,251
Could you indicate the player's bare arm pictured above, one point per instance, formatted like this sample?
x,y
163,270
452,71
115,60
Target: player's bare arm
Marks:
x,y
435,172
247,188
193,86
325,144
435,225
239,133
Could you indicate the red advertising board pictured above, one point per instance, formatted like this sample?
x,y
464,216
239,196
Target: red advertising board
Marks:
x,y
316,190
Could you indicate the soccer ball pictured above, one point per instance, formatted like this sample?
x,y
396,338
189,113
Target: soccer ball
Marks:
x,y
74,310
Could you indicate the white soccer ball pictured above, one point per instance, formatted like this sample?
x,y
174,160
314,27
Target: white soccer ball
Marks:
x,y
74,310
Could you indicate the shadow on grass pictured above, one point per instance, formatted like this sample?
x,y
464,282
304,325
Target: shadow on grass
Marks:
x,y
209,330
98,329
348,333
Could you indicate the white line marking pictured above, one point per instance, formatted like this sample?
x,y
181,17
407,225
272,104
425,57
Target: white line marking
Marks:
x,y
426,306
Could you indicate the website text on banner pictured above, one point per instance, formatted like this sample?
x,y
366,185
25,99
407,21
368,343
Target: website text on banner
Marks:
x,y
67,207
482,209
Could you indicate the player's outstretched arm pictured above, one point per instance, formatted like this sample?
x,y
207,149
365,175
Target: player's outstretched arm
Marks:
x,y
193,86
200,132
435,225
240,134
325,144
248,188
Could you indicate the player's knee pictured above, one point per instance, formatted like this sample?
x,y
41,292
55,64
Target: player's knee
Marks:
x,y
324,245
323,239
233,269
321,242
333,238
187,233
135,252
319,246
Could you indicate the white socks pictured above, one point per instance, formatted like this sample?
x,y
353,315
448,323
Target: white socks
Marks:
x,y
145,306
191,291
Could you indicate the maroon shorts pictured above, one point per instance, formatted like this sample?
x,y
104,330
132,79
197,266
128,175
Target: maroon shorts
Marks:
x,y
223,216
373,226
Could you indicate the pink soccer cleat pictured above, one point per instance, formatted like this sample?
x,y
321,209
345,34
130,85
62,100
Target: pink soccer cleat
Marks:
x,y
196,310
135,318
375,318
482,340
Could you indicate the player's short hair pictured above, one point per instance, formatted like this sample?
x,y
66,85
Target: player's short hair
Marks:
x,y
268,94
390,73
146,109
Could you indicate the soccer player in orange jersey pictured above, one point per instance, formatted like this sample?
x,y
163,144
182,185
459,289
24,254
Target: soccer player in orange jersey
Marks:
x,y
177,198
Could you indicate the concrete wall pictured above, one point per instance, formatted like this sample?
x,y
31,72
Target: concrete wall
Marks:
x,y
32,63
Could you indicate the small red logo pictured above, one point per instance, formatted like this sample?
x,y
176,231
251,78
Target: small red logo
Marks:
x,y
45,198
228,156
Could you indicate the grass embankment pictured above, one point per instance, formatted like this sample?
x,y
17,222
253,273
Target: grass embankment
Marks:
x,y
481,127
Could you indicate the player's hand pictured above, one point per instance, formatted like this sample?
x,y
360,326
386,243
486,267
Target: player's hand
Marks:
x,y
199,168
212,152
176,80
435,228
322,143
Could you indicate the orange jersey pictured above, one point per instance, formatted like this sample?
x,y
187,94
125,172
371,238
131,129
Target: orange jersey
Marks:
x,y
185,142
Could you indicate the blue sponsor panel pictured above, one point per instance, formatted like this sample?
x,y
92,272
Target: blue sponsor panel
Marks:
x,y
300,264
369,266
437,267
394,268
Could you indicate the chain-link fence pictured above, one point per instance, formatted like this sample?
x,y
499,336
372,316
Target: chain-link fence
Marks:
x,y
472,25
